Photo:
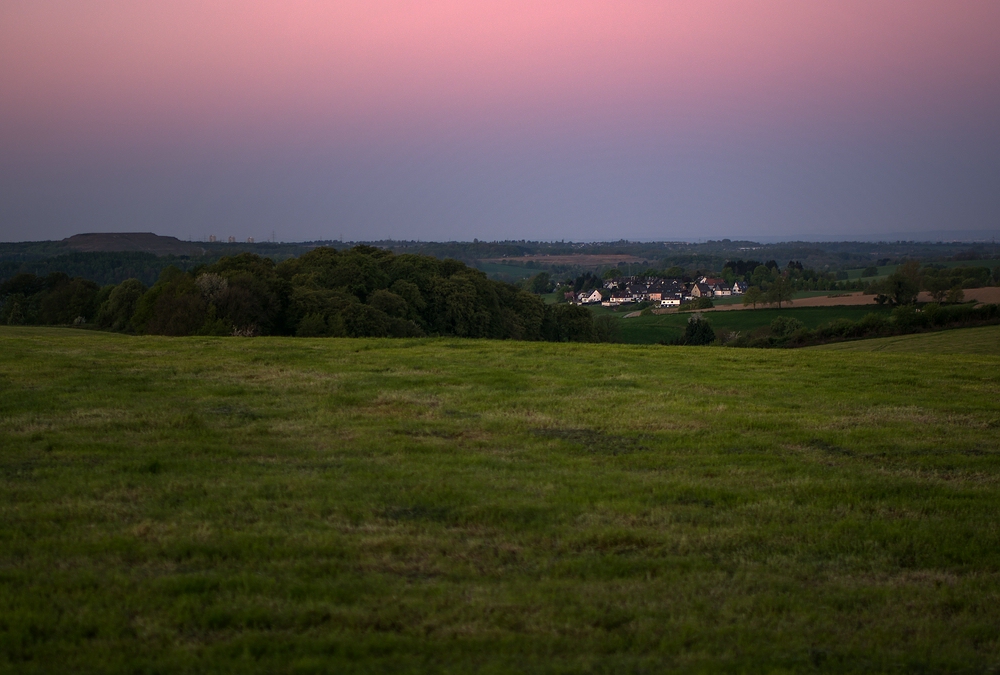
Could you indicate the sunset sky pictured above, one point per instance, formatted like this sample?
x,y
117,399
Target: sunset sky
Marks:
x,y
499,120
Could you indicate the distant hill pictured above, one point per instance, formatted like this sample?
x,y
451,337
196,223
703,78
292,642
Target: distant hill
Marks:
x,y
146,242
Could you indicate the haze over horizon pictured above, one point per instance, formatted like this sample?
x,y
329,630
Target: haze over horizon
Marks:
x,y
496,120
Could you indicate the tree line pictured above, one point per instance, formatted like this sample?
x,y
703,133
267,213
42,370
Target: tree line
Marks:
x,y
785,331
110,267
358,292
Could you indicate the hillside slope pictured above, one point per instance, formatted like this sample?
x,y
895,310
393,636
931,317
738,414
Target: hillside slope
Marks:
x,y
980,340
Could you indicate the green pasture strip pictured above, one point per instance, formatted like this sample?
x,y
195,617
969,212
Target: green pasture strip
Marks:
x,y
738,299
981,340
883,271
495,270
280,505
887,270
659,327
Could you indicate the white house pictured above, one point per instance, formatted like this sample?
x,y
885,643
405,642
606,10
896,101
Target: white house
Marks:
x,y
593,296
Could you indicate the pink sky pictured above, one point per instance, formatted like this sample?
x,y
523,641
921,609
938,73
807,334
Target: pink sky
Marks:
x,y
379,66
142,75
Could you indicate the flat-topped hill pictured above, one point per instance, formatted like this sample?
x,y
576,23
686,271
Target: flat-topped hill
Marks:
x,y
132,241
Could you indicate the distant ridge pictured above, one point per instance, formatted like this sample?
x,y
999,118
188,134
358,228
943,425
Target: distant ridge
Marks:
x,y
931,236
132,241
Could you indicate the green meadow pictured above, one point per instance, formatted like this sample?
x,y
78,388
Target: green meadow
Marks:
x,y
509,272
657,328
280,505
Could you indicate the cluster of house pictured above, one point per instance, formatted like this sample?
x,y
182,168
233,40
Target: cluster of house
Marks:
x,y
666,292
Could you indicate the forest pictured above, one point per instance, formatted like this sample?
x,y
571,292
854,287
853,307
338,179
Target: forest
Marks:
x,y
358,292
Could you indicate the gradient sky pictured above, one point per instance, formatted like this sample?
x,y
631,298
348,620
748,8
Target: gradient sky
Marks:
x,y
499,120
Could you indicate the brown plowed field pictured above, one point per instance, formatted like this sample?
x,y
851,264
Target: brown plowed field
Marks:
x,y
990,294
582,260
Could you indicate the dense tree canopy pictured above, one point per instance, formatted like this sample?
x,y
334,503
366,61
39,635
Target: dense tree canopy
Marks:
x,y
359,292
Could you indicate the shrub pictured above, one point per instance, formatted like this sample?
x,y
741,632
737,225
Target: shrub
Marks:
x,y
700,303
698,331
607,329
838,328
800,337
872,324
907,317
12,312
785,325
932,311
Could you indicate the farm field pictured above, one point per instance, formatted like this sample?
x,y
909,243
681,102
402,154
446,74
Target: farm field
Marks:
x,y
980,340
658,327
289,505
811,299
987,294
886,270
799,295
581,259
510,273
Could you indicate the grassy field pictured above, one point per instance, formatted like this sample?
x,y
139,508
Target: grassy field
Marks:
x,y
886,270
507,272
883,271
984,340
659,327
293,505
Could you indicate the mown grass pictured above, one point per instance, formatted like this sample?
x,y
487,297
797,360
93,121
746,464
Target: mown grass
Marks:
x,y
981,340
294,505
667,327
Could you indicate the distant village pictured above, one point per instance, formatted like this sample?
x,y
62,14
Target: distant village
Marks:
x,y
666,292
